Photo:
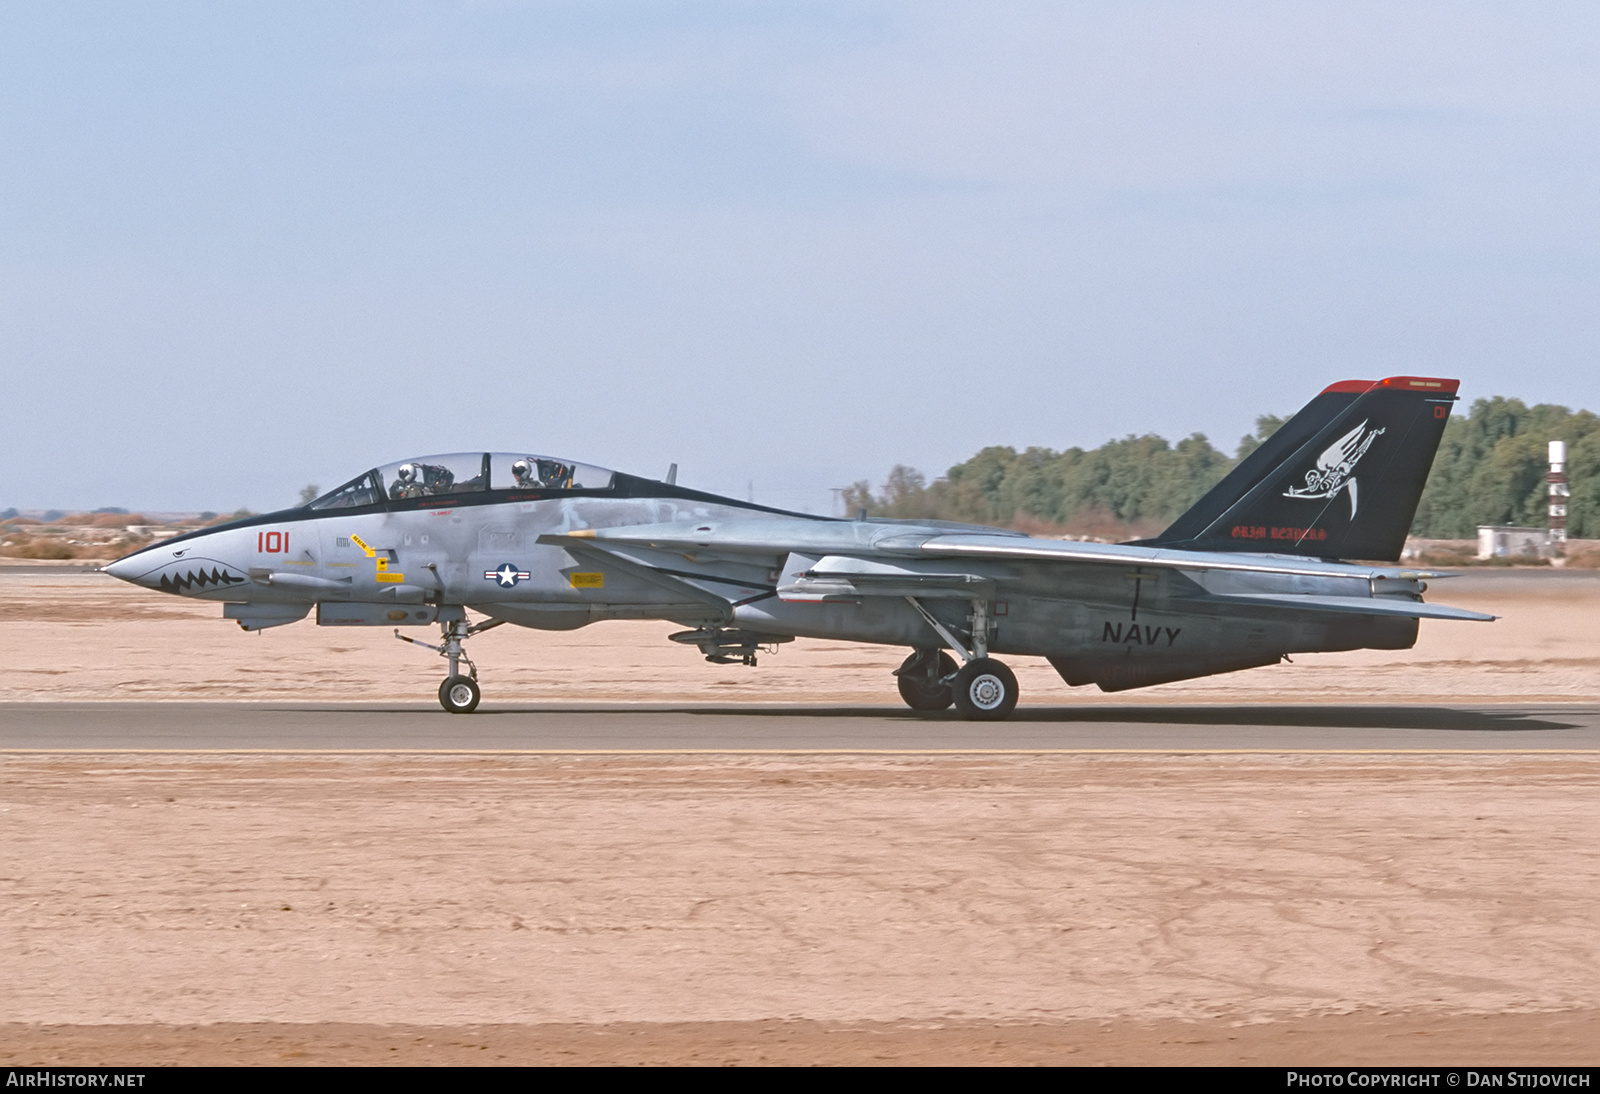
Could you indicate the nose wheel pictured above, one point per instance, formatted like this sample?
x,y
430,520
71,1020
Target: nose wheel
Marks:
x,y
459,694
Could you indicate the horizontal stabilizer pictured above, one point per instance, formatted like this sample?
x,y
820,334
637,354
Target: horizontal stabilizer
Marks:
x,y
1119,554
1358,605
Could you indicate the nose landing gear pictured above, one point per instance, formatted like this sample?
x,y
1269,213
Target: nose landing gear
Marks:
x,y
458,694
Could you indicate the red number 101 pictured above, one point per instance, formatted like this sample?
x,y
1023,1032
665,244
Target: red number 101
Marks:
x,y
272,543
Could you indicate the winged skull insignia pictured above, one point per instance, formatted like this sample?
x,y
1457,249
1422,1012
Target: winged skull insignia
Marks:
x,y
1336,467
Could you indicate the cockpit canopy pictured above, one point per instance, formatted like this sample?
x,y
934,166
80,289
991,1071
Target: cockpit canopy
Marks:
x,y
463,473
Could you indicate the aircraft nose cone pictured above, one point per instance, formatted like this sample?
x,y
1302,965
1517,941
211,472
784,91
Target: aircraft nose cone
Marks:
x,y
129,568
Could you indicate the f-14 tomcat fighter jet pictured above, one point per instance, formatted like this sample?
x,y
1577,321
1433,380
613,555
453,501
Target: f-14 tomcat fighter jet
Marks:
x,y
1251,573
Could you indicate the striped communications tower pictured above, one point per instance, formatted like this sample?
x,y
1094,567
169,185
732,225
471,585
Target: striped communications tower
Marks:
x,y
1558,496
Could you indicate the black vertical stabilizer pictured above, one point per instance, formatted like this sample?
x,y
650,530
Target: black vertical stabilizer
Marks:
x,y
1341,479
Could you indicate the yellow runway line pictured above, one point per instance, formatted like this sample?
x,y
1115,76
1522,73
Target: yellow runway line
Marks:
x,y
800,752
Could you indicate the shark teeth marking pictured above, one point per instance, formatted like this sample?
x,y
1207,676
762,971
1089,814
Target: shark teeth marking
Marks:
x,y
217,576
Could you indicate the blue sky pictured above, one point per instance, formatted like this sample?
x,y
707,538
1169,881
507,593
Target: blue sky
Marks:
x,y
245,247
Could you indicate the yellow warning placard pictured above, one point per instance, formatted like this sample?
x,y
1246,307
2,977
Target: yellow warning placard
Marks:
x,y
384,575
588,581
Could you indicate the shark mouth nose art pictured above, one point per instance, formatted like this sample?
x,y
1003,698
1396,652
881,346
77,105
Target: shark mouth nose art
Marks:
x,y
195,574
177,583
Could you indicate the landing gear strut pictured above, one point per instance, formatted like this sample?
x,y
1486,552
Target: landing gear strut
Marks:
x,y
458,694
983,688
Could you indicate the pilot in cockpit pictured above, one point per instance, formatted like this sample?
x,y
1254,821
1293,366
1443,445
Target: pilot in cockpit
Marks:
x,y
536,474
407,483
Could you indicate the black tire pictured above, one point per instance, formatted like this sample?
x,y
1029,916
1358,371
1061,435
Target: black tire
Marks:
x,y
459,694
985,690
918,689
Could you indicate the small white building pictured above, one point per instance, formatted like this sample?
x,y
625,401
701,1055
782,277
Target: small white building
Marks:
x,y
1511,541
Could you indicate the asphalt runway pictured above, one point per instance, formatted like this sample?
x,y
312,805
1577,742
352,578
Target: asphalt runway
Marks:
x,y
303,727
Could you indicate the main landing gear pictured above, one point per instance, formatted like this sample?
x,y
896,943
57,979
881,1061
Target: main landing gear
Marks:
x,y
982,689
458,694
924,679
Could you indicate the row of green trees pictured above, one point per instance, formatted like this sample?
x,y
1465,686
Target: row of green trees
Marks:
x,y
1490,470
